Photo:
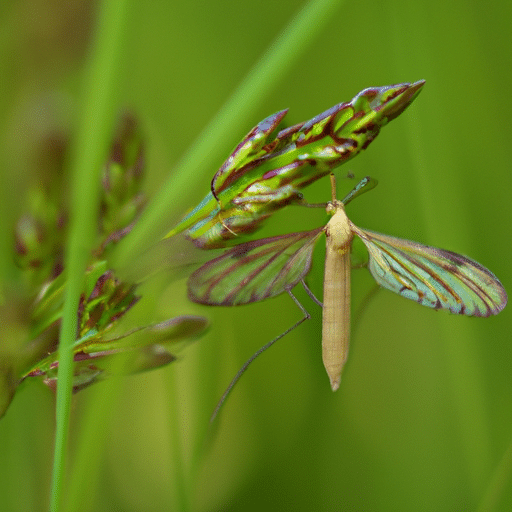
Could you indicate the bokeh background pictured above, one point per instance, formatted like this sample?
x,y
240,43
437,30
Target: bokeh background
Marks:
x,y
423,418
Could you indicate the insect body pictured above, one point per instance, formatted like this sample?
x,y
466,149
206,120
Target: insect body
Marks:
x,y
336,307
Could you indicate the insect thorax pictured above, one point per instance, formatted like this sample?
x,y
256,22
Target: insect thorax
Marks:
x,y
338,231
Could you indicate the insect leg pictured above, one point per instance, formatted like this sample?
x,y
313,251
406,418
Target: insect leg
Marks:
x,y
311,294
242,370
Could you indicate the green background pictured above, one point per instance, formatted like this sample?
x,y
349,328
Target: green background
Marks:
x,y
423,417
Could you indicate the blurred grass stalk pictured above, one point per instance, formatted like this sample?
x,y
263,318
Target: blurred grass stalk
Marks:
x,y
94,127
463,360
230,121
98,111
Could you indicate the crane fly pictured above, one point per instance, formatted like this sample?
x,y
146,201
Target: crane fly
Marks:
x,y
260,269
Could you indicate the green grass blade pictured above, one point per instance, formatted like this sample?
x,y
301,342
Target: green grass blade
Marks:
x,y
284,53
92,141
498,482
229,121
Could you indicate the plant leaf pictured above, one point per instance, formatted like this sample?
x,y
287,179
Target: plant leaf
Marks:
x,y
257,179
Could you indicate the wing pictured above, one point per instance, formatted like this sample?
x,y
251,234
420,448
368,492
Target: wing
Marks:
x,y
255,270
433,277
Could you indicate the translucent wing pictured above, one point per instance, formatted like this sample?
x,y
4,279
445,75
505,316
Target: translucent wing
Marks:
x,y
433,277
255,270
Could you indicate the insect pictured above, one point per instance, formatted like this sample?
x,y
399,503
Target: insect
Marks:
x,y
262,175
261,269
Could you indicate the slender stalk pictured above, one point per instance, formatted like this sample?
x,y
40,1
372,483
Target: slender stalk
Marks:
x,y
500,478
228,122
183,479
462,359
94,127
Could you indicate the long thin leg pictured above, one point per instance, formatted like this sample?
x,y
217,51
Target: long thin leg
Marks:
x,y
311,294
304,203
242,370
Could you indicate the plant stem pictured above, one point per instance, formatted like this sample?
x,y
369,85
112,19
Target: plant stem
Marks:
x,y
93,130
229,121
